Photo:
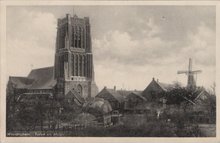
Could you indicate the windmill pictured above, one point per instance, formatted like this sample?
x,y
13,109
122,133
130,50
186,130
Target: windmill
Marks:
x,y
191,83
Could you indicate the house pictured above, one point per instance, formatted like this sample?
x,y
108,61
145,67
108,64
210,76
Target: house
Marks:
x,y
124,93
199,98
197,104
154,90
204,109
201,95
113,97
133,100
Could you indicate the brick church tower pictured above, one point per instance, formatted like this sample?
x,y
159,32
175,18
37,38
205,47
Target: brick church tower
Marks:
x,y
73,58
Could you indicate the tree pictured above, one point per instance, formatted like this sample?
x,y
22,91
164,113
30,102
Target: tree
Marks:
x,y
177,95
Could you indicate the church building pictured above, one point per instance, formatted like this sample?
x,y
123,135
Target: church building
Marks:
x,y
73,70
74,59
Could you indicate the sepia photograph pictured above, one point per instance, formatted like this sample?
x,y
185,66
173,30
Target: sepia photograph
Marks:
x,y
110,71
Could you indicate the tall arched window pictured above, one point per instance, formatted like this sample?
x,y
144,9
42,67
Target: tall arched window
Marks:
x,y
73,66
75,37
82,38
80,65
79,33
77,66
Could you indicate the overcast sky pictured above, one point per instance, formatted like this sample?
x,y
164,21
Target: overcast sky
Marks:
x,y
131,44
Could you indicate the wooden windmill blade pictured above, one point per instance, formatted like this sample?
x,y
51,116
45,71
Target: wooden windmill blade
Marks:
x,y
197,71
182,72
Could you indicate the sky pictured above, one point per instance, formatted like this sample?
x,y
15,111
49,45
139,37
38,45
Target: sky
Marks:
x,y
131,44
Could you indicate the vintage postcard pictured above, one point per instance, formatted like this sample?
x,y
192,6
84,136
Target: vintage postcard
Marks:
x,y
104,71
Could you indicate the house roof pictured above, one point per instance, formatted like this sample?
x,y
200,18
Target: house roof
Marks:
x,y
42,78
200,93
138,94
116,95
165,86
156,85
124,93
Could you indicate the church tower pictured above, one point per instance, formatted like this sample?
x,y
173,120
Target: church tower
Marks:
x,y
73,58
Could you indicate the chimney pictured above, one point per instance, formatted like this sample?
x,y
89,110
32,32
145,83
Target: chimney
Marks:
x,y
114,88
157,80
68,17
153,78
67,14
105,87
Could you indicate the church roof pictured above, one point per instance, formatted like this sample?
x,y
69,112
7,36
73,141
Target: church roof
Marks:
x,y
20,82
41,78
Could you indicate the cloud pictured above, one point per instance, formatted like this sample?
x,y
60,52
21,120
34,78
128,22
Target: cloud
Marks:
x,y
129,48
201,46
115,45
119,46
133,61
30,40
151,28
129,61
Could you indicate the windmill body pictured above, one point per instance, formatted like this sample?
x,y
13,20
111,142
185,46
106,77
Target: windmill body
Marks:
x,y
191,83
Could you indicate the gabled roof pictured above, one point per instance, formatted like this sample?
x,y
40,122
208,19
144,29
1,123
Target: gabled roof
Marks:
x,y
112,92
116,95
200,94
165,86
20,82
124,93
156,85
42,78
138,94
